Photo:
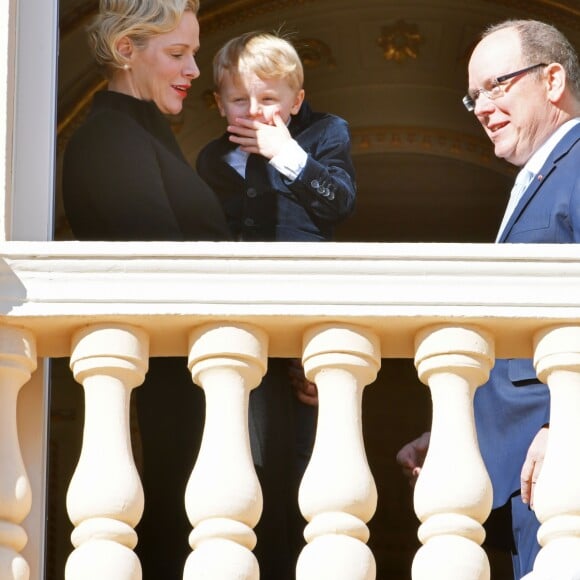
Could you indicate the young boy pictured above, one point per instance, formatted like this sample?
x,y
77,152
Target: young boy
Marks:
x,y
282,173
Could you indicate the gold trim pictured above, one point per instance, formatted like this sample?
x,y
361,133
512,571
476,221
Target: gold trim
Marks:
x,y
427,141
210,19
80,105
76,17
550,9
563,7
235,11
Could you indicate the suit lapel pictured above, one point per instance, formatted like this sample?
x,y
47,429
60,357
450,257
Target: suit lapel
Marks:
x,y
551,164
530,192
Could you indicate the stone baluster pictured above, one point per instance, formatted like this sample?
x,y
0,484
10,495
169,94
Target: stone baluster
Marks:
x,y
17,362
223,497
453,495
105,496
557,490
338,494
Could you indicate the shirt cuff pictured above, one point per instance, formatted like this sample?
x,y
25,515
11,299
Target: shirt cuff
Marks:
x,y
290,161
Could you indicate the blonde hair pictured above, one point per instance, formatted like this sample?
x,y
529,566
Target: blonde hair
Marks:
x,y
267,55
137,19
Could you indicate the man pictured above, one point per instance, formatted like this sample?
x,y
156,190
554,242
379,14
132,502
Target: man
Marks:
x,y
524,89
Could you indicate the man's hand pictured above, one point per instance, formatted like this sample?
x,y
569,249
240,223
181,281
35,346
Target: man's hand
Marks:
x,y
533,465
412,455
305,391
266,139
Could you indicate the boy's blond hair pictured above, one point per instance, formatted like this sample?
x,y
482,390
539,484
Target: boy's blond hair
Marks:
x,y
266,55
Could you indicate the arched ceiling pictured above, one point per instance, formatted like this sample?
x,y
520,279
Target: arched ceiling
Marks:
x,y
394,69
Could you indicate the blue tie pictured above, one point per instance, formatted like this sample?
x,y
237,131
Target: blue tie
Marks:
x,y
523,180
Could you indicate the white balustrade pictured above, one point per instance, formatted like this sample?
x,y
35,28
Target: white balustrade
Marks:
x,y
223,496
338,495
367,292
17,362
557,491
105,496
453,494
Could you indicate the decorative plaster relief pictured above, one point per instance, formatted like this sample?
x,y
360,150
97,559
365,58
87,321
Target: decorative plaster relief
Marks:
x,y
400,41
441,142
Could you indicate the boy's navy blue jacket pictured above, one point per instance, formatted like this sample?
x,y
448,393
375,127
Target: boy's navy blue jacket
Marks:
x,y
266,206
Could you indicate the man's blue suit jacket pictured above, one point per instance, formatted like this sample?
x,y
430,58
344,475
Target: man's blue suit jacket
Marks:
x,y
513,405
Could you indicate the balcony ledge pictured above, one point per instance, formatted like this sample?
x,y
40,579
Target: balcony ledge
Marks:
x,y
167,288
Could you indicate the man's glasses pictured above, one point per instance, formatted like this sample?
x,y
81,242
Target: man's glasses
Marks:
x,y
497,87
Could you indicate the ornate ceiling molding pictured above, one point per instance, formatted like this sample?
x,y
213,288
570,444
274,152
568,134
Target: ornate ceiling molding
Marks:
x,y
220,15
215,17
400,41
68,119
428,141
223,14
314,53
76,17
235,11
554,11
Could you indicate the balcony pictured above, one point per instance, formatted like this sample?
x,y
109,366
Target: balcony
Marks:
x,y
228,307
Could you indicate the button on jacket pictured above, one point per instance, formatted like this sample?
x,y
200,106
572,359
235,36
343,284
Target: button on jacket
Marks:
x,y
267,206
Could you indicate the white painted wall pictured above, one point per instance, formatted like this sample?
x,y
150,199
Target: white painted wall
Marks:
x,y
29,198
6,84
28,57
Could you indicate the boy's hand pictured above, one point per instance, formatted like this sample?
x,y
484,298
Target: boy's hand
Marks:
x,y
262,138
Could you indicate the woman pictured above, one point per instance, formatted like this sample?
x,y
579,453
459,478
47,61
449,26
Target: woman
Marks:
x,y
125,178
124,175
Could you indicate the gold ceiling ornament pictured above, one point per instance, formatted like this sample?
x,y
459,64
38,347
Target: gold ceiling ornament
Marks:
x,y
314,52
400,41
